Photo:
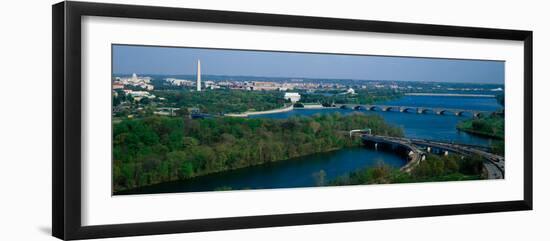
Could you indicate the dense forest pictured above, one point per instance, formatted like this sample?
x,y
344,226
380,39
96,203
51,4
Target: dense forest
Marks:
x,y
362,96
490,126
157,149
224,101
434,168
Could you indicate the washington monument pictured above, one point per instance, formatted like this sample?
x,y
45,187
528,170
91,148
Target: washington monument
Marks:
x,y
199,75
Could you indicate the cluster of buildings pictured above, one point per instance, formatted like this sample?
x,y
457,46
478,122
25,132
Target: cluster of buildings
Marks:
x,y
192,84
197,84
143,83
270,85
139,94
249,85
134,80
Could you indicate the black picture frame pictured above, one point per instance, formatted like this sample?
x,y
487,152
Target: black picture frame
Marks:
x,y
66,47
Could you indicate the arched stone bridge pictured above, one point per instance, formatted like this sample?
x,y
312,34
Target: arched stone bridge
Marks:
x,y
418,148
412,109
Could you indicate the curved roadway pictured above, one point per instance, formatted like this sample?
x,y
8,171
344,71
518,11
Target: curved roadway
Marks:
x,y
493,164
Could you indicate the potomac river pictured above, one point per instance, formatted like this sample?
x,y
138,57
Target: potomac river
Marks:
x,y
301,172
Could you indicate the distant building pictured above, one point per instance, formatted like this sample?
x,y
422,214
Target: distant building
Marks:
x,y
138,95
147,86
179,82
263,85
118,86
135,80
350,91
292,96
166,111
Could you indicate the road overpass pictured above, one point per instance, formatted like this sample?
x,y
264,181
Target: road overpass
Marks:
x,y
418,148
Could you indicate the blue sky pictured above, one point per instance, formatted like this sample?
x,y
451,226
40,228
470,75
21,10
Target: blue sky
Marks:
x,y
172,61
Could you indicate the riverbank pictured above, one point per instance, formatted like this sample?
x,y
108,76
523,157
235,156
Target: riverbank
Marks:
x,y
168,149
279,110
226,186
491,127
434,169
479,133
305,171
250,113
451,95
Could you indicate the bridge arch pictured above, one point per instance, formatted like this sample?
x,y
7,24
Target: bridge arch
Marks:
x,y
478,114
426,111
408,109
413,109
445,112
465,113
375,108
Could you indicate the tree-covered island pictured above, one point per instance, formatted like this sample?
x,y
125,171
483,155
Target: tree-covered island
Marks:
x,y
157,149
491,126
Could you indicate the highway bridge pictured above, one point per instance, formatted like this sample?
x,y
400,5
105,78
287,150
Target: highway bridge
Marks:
x,y
415,151
413,109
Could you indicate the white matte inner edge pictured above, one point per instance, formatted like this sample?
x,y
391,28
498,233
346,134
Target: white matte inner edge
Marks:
x,y
99,207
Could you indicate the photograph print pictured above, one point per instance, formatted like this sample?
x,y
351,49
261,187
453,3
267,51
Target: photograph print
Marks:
x,y
203,119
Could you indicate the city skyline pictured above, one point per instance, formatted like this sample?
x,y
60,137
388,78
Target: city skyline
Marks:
x,y
183,61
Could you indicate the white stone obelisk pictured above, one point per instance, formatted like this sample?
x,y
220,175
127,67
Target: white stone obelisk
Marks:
x,y
199,75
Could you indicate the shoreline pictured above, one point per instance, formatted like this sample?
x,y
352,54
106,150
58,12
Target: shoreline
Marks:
x,y
478,133
249,113
451,95
125,191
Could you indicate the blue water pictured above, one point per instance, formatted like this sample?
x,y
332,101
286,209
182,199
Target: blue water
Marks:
x,y
297,172
452,102
426,126
300,172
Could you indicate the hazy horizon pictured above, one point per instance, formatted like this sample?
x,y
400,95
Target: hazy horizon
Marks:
x,y
154,60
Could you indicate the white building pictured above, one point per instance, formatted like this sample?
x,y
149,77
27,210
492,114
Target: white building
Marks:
x,y
292,96
350,91
135,80
179,82
139,93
